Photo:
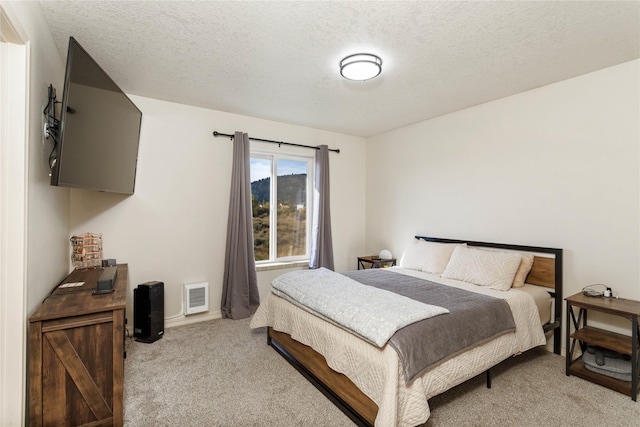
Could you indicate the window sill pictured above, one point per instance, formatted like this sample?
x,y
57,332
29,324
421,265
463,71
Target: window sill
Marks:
x,y
281,265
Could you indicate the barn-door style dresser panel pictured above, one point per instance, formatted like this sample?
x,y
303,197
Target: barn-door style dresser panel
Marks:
x,y
76,353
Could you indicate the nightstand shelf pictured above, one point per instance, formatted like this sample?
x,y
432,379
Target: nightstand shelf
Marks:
x,y
374,262
611,340
584,334
579,370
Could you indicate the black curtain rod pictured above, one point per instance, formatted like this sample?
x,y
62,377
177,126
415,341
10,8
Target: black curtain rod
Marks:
x,y
216,134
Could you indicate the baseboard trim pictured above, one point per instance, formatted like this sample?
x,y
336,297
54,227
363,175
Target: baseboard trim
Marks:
x,y
549,346
194,318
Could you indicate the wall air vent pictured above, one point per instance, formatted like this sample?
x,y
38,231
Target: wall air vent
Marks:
x,y
196,298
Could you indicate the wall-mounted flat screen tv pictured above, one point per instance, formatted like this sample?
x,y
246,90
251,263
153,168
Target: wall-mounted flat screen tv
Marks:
x,y
99,129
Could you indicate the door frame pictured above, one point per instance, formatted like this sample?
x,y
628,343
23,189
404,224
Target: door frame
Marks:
x,y
14,155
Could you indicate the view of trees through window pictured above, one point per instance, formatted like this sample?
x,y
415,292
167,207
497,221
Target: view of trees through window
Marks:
x,y
290,220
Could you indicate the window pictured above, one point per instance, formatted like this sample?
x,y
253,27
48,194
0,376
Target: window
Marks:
x,y
281,194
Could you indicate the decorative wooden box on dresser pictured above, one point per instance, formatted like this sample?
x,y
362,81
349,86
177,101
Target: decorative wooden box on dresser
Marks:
x,y
76,353
584,334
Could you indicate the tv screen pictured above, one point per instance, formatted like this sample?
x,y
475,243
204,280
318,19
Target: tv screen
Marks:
x,y
99,129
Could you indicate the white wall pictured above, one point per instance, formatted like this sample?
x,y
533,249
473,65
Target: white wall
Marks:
x,y
173,229
48,207
557,166
46,249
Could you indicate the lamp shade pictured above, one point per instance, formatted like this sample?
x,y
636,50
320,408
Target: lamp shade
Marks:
x,y
385,254
361,66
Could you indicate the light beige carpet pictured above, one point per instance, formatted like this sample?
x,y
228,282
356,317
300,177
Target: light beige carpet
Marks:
x,y
222,373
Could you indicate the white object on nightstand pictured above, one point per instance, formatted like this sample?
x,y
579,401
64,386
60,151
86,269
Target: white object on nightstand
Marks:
x,y
385,254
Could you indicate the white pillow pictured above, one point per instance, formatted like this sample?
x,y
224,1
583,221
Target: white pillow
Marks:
x,y
412,256
523,270
493,269
430,257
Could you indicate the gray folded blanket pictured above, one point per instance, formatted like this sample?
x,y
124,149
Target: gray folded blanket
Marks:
x,y
473,319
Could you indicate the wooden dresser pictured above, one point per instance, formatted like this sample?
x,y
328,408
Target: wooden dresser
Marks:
x,y
76,354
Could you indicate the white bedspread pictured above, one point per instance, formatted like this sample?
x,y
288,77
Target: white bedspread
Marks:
x,y
377,371
371,313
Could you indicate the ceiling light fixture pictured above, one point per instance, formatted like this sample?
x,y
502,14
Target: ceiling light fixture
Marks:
x,y
361,66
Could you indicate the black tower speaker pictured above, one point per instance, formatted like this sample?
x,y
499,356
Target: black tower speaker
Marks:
x,y
148,311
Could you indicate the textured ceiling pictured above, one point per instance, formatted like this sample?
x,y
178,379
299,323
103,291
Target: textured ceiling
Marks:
x,y
279,60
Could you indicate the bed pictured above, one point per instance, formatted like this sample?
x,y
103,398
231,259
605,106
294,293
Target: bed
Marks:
x,y
369,382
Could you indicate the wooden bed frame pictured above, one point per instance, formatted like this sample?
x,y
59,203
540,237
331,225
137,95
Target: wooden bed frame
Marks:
x,y
546,271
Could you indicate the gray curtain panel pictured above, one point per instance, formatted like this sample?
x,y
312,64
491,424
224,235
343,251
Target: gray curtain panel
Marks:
x,y
240,297
321,242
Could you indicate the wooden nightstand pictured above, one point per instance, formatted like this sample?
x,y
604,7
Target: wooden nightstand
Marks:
x,y
584,334
374,261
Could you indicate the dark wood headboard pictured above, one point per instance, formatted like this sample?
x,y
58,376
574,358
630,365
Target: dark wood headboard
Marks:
x,y
546,271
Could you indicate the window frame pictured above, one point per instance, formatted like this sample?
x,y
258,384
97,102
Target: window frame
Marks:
x,y
274,156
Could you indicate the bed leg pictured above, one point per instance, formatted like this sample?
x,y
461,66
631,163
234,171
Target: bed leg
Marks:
x,y
488,378
557,336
